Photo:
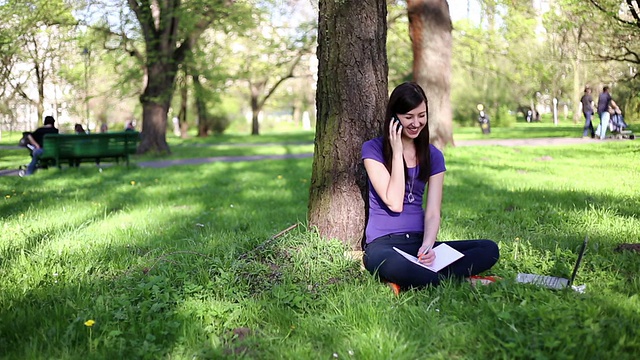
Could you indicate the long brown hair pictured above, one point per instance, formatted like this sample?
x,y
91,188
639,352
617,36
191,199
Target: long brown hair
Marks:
x,y
404,98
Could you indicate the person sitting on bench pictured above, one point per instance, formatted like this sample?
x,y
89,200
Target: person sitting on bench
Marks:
x,y
36,139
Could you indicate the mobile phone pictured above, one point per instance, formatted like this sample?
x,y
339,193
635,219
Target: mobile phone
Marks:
x,y
395,118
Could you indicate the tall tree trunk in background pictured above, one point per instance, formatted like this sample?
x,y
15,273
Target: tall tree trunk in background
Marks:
x,y
256,88
430,29
204,120
577,90
168,37
351,99
578,86
40,81
184,101
262,90
156,99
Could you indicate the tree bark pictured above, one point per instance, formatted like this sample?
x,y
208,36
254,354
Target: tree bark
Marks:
x,y
155,101
204,121
430,29
577,89
182,114
351,100
258,88
168,37
256,106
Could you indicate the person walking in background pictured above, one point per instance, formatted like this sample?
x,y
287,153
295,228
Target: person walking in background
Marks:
x,y
587,111
604,102
36,140
104,128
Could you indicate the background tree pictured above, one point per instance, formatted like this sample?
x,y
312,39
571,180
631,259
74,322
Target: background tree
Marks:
x,y
351,100
170,30
34,34
618,49
399,51
271,55
430,29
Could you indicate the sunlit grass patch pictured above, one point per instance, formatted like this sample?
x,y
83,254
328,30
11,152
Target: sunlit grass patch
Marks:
x,y
181,262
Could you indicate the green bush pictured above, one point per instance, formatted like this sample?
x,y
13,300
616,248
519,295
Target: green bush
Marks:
x,y
503,117
465,116
219,123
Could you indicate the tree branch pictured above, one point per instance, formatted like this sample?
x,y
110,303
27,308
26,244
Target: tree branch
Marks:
x,y
633,11
294,64
208,17
612,15
124,40
142,10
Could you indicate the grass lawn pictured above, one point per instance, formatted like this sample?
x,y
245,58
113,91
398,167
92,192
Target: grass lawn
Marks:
x,y
524,130
193,147
293,142
178,263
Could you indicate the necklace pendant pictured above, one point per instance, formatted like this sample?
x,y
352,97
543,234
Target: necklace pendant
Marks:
x,y
411,198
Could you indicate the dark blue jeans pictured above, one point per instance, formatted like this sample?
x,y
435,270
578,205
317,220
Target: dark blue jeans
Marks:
x,y
588,125
31,168
380,259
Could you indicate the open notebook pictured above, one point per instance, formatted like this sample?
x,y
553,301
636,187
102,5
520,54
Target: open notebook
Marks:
x,y
445,255
554,282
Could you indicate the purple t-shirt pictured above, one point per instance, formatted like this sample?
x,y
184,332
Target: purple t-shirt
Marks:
x,y
383,221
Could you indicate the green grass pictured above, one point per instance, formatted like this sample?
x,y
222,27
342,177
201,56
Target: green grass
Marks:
x,y
10,138
178,263
520,131
523,130
193,147
293,142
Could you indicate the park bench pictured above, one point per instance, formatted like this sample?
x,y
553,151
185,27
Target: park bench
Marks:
x,y
112,146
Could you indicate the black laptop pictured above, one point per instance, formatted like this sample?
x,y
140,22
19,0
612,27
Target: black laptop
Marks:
x,y
553,282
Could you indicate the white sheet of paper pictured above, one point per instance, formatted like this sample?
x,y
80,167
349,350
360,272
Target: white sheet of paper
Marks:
x,y
445,255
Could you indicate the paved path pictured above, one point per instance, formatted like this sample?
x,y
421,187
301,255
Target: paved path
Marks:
x,y
483,142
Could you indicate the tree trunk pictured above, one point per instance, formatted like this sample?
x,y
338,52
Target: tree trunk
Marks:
x,y
430,28
168,37
40,85
351,99
182,114
577,89
255,90
155,105
201,107
154,123
296,114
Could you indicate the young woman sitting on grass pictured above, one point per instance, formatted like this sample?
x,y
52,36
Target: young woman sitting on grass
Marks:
x,y
400,164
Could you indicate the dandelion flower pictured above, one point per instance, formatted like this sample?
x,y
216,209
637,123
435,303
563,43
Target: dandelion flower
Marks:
x,y
133,182
279,177
89,323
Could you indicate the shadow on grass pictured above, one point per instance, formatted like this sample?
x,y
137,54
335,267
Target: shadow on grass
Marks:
x,y
132,275
173,286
